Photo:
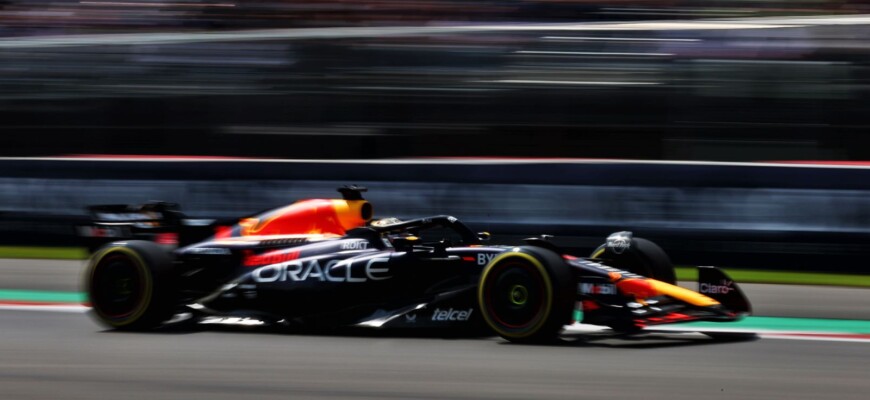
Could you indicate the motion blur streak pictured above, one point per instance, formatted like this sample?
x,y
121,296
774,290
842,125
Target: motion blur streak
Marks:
x,y
161,4
366,80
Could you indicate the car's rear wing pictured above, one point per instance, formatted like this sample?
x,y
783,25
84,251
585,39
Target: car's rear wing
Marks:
x,y
151,214
156,221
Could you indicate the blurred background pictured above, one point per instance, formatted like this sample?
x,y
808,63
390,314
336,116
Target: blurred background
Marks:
x,y
658,80
730,132
731,80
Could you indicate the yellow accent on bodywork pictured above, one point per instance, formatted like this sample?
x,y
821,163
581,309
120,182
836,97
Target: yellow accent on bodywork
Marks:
x,y
598,253
349,213
691,297
248,226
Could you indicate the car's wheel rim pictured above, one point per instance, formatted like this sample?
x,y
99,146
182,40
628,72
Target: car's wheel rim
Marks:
x,y
519,295
516,296
118,287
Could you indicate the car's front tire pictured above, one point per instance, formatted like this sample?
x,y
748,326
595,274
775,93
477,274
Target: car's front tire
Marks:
x,y
527,295
130,285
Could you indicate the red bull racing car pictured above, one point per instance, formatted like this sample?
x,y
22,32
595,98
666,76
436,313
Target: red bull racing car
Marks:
x,y
327,263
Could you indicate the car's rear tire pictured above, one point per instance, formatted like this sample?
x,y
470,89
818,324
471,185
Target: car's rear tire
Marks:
x,y
130,285
527,295
643,257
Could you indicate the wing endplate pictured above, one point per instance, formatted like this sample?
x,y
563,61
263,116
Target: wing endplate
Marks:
x,y
716,284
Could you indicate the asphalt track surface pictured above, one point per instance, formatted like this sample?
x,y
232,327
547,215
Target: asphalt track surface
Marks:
x,y
51,355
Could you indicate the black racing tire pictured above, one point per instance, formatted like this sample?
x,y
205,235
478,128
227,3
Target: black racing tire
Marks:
x,y
527,295
643,257
130,285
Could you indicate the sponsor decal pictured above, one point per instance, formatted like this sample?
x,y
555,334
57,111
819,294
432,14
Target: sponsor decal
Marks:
x,y
216,251
598,288
102,231
144,216
270,258
724,287
298,271
232,321
355,245
484,258
451,315
619,241
613,273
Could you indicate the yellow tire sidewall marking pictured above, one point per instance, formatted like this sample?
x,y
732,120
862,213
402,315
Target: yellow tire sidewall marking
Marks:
x,y
140,264
548,286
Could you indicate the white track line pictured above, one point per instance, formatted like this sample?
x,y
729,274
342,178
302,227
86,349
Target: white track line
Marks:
x,y
69,308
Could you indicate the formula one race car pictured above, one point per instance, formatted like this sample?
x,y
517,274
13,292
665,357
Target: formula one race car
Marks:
x,y
326,263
